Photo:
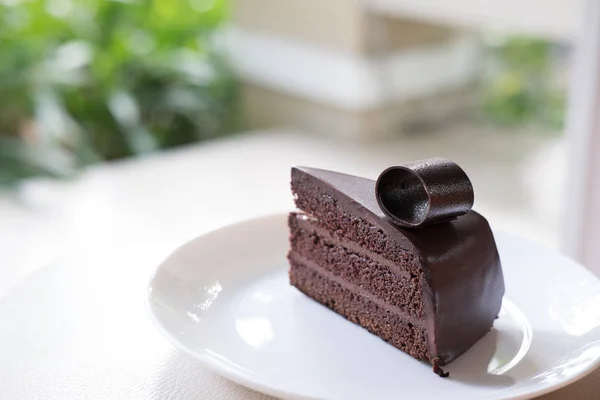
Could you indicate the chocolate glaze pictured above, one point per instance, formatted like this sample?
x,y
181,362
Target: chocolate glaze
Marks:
x,y
464,286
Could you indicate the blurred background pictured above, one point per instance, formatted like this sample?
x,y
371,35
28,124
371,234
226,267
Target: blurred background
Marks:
x,y
137,122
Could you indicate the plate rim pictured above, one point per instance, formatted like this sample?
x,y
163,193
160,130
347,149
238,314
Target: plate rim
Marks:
x,y
222,369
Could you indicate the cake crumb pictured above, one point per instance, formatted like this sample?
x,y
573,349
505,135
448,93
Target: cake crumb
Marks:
x,y
440,372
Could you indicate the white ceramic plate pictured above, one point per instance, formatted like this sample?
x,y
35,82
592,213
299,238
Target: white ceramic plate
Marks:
x,y
225,299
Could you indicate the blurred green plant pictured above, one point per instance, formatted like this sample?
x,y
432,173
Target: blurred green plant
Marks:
x,y
524,83
82,81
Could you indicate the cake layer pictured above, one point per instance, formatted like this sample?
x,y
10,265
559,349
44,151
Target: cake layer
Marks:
x,y
377,276
337,219
297,220
360,309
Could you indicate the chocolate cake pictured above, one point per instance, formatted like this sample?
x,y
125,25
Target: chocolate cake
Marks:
x,y
409,262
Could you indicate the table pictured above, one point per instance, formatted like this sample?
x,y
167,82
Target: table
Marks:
x,y
77,327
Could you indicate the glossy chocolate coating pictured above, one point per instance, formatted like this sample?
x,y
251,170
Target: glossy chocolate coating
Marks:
x,y
424,192
464,287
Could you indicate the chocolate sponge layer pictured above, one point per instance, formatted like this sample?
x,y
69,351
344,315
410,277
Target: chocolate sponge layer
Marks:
x,y
361,269
359,308
342,223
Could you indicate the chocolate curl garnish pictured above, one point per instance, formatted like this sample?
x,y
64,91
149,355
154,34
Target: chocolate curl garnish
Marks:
x,y
424,193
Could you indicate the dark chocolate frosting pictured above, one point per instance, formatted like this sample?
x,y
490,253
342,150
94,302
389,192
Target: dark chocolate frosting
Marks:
x,y
464,286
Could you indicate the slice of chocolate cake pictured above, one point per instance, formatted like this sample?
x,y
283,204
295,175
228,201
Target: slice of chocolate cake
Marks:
x,y
430,291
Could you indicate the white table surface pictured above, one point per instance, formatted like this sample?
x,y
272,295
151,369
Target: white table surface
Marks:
x,y
76,256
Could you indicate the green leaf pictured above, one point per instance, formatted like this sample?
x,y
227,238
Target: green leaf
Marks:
x,y
83,81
